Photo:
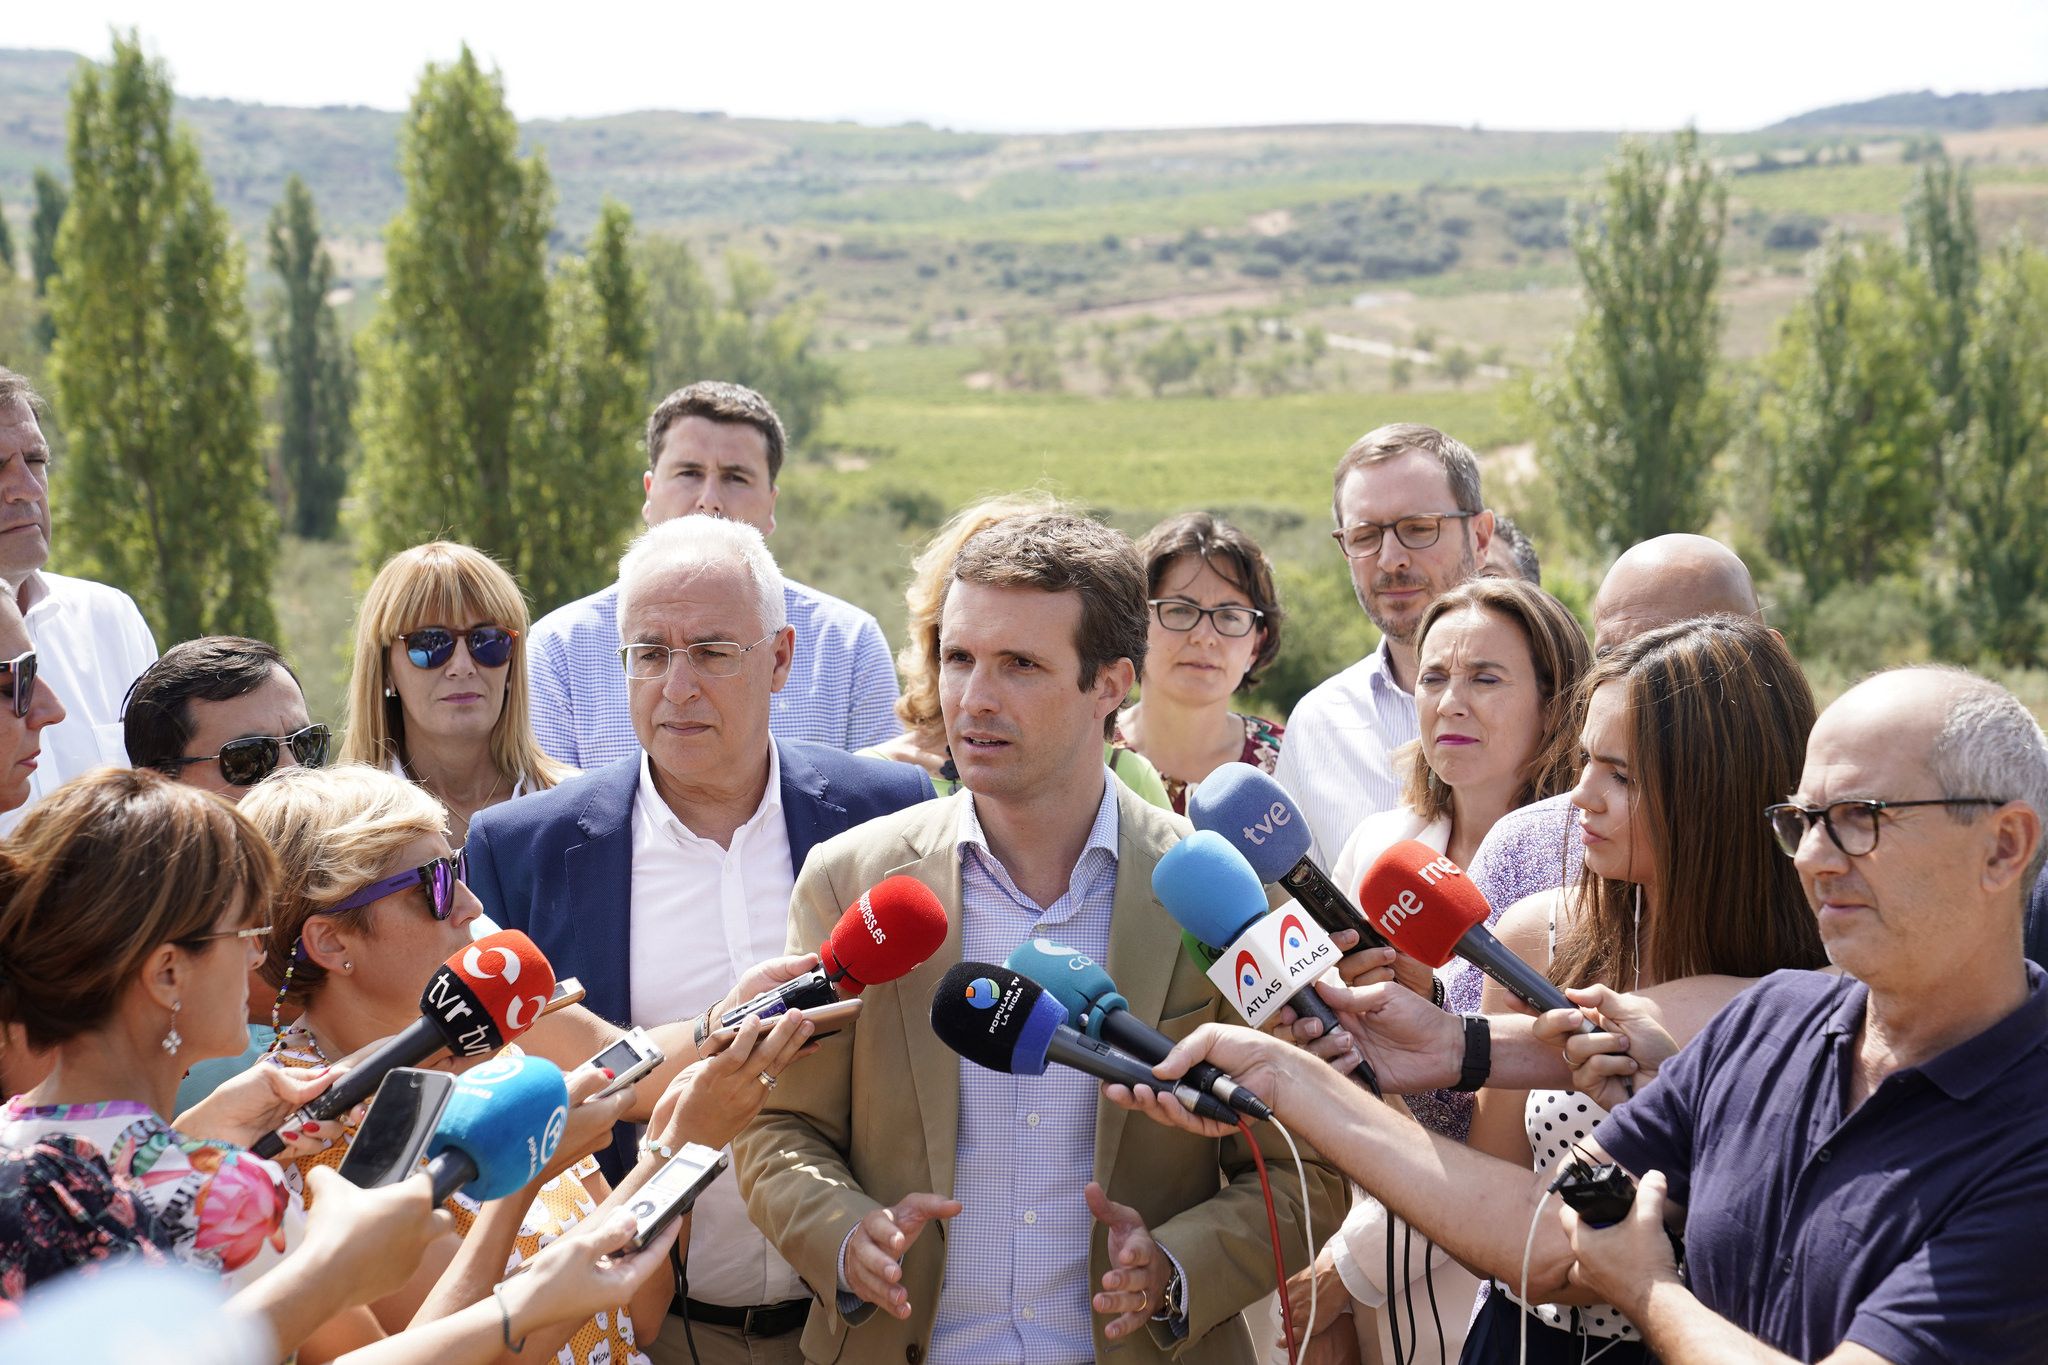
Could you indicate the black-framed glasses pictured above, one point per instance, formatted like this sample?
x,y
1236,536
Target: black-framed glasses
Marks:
x,y
713,658
246,761
434,646
440,878
1851,824
1362,539
19,680
1177,614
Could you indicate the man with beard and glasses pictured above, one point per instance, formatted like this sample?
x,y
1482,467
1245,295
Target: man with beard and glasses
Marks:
x,y
1412,526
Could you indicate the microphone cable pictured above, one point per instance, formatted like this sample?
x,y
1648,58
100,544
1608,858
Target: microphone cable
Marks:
x,y
1297,1344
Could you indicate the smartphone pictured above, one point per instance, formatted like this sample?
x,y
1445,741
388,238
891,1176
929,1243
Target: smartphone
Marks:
x,y
393,1138
631,1057
674,1189
568,991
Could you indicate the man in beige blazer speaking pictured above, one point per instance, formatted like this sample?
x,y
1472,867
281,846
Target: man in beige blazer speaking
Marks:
x,y
991,1217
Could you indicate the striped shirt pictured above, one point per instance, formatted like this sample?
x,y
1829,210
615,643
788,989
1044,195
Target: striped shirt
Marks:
x,y
1337,759
841,688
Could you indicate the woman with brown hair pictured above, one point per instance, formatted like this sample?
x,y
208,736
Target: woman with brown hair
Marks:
x,y
438,692
1215,626
1689,732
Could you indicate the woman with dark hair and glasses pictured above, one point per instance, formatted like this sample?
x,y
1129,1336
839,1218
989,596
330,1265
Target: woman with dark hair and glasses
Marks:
x,y
221,713
438,693
1215,627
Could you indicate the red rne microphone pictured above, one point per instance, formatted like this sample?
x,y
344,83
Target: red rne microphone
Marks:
x,y
1427,907
891,931
476,1002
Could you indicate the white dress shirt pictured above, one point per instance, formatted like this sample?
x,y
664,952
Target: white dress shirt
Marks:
x,y
91,644
1336,760
700,916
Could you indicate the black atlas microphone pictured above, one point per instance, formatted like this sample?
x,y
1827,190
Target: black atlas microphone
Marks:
x,y
1095,1007
1004,1021
1252,811
489,993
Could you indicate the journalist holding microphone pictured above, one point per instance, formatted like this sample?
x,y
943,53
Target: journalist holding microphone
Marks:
x,y
1068,1236
1857,1164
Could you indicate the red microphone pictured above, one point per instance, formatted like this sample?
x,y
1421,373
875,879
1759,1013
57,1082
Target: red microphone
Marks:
x,y
891,931
478,1000
1427,907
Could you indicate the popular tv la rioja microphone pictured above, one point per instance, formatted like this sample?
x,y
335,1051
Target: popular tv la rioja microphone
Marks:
x,y
1274,959
503,1122
891,931
1095,1007
1005,1022
482,998
1255,813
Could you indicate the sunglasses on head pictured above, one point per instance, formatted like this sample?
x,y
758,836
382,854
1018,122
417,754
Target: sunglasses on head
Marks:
x,y
433,646
439,877
19,681
245,762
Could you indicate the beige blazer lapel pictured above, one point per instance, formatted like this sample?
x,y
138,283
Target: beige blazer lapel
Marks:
x,y
934,1067
1143,947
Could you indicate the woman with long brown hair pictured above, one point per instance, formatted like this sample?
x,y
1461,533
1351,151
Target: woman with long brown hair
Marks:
x,y
1689,731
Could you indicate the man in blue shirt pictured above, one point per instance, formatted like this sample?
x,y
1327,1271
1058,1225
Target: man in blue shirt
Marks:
x,y
1858,1163
713,449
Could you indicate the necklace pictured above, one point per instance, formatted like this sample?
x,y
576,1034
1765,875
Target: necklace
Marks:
x,y
312,1043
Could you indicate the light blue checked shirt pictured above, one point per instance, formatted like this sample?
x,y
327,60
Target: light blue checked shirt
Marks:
x,y
841,689
1337,759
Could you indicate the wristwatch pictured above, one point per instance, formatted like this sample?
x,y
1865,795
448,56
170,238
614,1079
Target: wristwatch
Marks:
x,y
1174,1299
1478,1064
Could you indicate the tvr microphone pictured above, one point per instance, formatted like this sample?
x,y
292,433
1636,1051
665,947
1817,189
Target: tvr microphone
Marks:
x,y
891,931
1272,958
483,997
502,1125
1255,813
1096,1008
1001,1020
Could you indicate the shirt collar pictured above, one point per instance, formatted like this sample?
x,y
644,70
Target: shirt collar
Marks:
x,y
1102,834
1379,671
656,811
33,593
1973,1064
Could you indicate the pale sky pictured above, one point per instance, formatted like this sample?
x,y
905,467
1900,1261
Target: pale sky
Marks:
x,y
1060,65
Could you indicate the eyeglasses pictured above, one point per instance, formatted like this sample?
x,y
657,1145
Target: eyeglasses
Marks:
x,y
246,761
1362,539
433,646
1175,614
21,681
255,931
440,877
712,658
1851,824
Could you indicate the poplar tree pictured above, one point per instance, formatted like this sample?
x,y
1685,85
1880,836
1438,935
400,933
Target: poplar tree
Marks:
x,y
6,246
163,491
457,344
1635,412
42,244
316,370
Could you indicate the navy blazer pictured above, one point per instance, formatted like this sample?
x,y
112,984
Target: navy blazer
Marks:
x,y
558,865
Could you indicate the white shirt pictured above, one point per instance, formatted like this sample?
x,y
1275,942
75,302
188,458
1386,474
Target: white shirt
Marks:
x,y
91,644
700,916
1336,760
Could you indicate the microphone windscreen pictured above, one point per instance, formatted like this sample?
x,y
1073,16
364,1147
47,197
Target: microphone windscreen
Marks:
x,y
1069,975
507,1116
891,931
995,1018
1208,887
1255,813
1421,900
489,993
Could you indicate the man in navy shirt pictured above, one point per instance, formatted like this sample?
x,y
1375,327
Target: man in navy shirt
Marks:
x,y
1858,1163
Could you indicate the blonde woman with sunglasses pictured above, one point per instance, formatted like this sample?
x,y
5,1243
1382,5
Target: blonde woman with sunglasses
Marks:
x,y
438,693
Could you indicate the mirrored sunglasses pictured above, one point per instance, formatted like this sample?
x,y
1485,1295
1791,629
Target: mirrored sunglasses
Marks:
x,y
439,877
434,646
18,682
246,761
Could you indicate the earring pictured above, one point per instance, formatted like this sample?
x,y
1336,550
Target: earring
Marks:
x,y
173,1040
347,966
390,691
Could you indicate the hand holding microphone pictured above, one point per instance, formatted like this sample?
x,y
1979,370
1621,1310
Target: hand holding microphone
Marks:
x,y
710,1100
891,931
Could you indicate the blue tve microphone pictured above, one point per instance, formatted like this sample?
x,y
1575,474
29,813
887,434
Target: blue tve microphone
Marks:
x,y
1006,1022
1213,893
1094,1007
503,1122
1255,813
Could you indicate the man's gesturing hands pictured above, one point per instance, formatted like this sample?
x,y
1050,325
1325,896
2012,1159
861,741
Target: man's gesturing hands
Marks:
x,y
1134,1286
875,1251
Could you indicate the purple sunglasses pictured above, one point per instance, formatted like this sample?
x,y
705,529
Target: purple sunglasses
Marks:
x,y
439,877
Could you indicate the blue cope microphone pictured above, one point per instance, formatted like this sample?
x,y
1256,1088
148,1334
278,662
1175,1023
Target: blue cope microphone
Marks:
x,y
503,1122
1247,807
1213,893
1095,1007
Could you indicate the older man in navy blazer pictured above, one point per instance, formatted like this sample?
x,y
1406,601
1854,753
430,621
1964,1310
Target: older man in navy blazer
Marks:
x,y
661,879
